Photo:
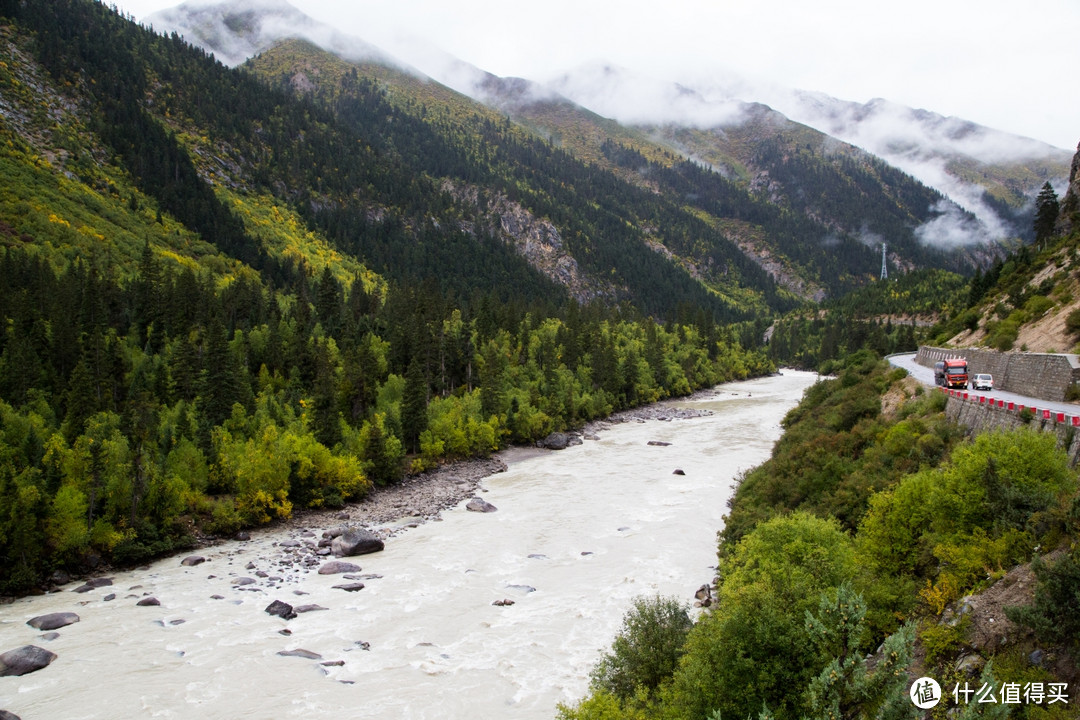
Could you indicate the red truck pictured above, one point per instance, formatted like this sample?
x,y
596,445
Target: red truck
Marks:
x,y
951,373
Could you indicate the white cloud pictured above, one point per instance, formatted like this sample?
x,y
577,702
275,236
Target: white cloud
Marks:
x,y
996,62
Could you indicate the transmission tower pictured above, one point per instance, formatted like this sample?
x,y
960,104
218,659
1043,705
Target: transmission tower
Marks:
x,y
884,265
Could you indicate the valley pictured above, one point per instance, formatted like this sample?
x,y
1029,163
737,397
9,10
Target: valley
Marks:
x,y
245,303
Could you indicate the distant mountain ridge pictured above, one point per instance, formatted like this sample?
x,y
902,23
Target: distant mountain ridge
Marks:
x,y
991,177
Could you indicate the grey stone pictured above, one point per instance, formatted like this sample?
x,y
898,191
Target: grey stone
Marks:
x,y
149,602
25,659
193,560
481,505
970,665
281,609
356,541
350,587
92,584
301,653
559,441
52,621
336,567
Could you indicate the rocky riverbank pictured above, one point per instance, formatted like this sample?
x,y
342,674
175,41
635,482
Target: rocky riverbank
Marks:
x,y
417,499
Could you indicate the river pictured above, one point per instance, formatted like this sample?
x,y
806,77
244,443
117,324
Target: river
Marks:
x,y
578,534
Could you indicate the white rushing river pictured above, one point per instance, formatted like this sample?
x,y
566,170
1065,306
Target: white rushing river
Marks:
x,y
578,534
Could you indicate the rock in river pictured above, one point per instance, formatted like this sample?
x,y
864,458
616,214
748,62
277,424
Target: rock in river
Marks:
x,y
300,653
52,621
356,541
480,505
336,567
559,441
92,584
25,659
282,609
350,587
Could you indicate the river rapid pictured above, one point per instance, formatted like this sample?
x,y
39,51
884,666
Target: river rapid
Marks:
x,y
578,534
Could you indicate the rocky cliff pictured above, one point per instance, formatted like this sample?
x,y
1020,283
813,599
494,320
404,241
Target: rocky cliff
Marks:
x,y
1069,218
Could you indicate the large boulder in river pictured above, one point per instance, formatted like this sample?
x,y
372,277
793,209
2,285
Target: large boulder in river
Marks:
x,y
356,541
281,609
52,621
25,659
477,504
559,441
5,715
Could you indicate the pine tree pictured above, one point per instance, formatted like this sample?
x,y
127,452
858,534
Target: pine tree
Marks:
x,y
326,422
414,406
1046,212
220,381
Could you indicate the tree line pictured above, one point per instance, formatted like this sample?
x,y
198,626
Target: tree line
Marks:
x,y
137,412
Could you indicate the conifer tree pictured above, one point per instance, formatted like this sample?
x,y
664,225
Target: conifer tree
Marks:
x,y
414,406
1046,212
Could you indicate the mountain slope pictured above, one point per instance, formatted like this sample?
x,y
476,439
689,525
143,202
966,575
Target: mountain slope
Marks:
x,y
764,157
222,300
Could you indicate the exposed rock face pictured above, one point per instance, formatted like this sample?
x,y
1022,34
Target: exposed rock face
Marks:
x,y
536,239
52,621
1069,215
356,541
23,660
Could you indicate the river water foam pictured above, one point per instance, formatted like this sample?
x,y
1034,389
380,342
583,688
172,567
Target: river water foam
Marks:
x,y
578,534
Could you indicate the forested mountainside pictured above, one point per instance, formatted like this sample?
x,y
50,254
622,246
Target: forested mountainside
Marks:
x,y
222,301
810,210
767,159
814,222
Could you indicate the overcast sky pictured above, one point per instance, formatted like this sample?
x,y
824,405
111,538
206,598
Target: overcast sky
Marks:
x,y
1009,65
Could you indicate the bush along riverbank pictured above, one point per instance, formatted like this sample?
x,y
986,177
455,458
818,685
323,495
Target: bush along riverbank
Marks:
x,y
877,545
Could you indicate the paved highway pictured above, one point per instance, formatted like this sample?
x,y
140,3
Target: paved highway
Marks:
x,y
925,375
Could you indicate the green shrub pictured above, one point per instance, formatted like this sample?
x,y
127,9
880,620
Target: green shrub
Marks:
x,y
646,650
1053,615
1072,321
